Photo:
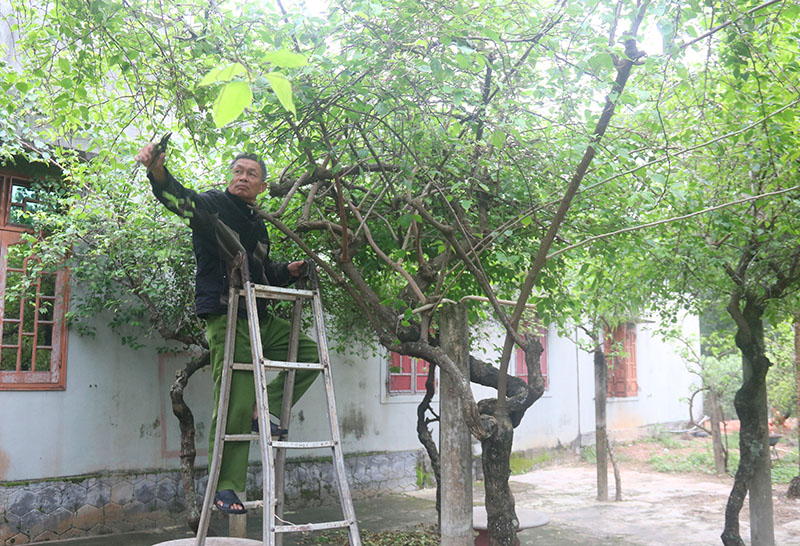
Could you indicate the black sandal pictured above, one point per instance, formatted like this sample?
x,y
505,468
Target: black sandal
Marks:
x,y
226,498
275,430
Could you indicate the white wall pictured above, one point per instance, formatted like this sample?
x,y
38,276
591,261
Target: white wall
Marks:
x,y
115,413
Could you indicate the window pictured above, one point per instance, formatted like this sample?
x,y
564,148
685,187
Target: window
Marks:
x,y
520,369
622,365
32,327
407,375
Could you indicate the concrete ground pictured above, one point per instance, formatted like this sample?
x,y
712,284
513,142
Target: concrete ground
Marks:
x,y
657,509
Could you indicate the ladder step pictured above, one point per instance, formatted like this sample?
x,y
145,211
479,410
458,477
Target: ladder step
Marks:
x,y
303,445
249,505
312,526
240,437
278,293
279,365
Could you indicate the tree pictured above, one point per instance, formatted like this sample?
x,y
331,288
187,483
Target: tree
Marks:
x,y
430,152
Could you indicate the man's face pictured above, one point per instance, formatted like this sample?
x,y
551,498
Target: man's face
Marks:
x,y
246,181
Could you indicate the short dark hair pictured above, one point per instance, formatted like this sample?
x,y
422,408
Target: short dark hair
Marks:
x,y
252,157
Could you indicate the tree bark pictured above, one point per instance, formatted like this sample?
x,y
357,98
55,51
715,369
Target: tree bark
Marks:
x,y
454,436
715,414
617,476
600,430
754,472
424,433
186,423
500,504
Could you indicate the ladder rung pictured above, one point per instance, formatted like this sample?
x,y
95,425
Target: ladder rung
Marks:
x,y
279,365
278,293
249,505
240,437
312,526
303,445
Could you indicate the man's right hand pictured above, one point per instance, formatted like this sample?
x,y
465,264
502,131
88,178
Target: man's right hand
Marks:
x,y
154,162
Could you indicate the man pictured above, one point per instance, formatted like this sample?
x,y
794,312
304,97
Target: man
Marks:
x,y
219,221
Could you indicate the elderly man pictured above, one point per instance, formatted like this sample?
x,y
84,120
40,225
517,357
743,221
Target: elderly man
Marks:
x,y
216,218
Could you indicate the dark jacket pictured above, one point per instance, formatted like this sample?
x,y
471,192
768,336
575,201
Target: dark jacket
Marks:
x,y
237,222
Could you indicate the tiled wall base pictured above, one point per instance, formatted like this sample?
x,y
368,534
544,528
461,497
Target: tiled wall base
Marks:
x,y
116,503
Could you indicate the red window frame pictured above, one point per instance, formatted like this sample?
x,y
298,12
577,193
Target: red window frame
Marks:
x,y
23,338
407,375
521,367
622,381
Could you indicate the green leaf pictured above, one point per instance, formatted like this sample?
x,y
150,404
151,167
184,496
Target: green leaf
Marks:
x,y
285,58
64,65
23,87
231,102
283,89
223,74
498,138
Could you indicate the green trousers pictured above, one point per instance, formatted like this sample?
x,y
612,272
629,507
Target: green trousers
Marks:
x,y
275,342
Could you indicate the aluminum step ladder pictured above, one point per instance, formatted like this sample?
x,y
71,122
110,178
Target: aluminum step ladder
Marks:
x,y
273,452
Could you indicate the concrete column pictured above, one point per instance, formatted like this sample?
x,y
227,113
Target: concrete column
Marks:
x,y
454,436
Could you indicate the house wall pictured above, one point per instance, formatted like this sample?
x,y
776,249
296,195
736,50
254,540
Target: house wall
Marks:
x,y
115,413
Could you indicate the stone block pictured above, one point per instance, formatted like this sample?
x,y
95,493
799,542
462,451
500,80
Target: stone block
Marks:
x,y
6,532
87,517
23,503
112,513
74,533
100,529
133,510
166,489
98,493
122,492
145,491
73,496
58,521
46,535
19,538
48,499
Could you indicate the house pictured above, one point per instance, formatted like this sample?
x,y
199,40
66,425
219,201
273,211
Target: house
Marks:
x,y
89,443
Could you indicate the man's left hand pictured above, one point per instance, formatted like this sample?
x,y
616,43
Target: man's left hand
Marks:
x,y
298,269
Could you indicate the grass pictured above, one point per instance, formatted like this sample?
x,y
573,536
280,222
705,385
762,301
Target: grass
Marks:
x,y
702,460
419,536
521,464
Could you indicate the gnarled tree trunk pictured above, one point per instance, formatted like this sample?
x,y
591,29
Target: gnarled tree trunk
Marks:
x,y
754,473
186,422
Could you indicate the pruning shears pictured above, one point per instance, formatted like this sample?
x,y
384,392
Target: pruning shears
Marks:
x,y
161,147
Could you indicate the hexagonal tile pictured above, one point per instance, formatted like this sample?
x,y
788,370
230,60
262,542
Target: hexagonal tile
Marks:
x,y
99,493
133,510
59,521
72,533
166,489
73,496
112,512
24,502
122,492
145,491
46,535
19,538
87,517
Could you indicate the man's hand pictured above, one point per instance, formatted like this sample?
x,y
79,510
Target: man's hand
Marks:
x,y
298,269
150,157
